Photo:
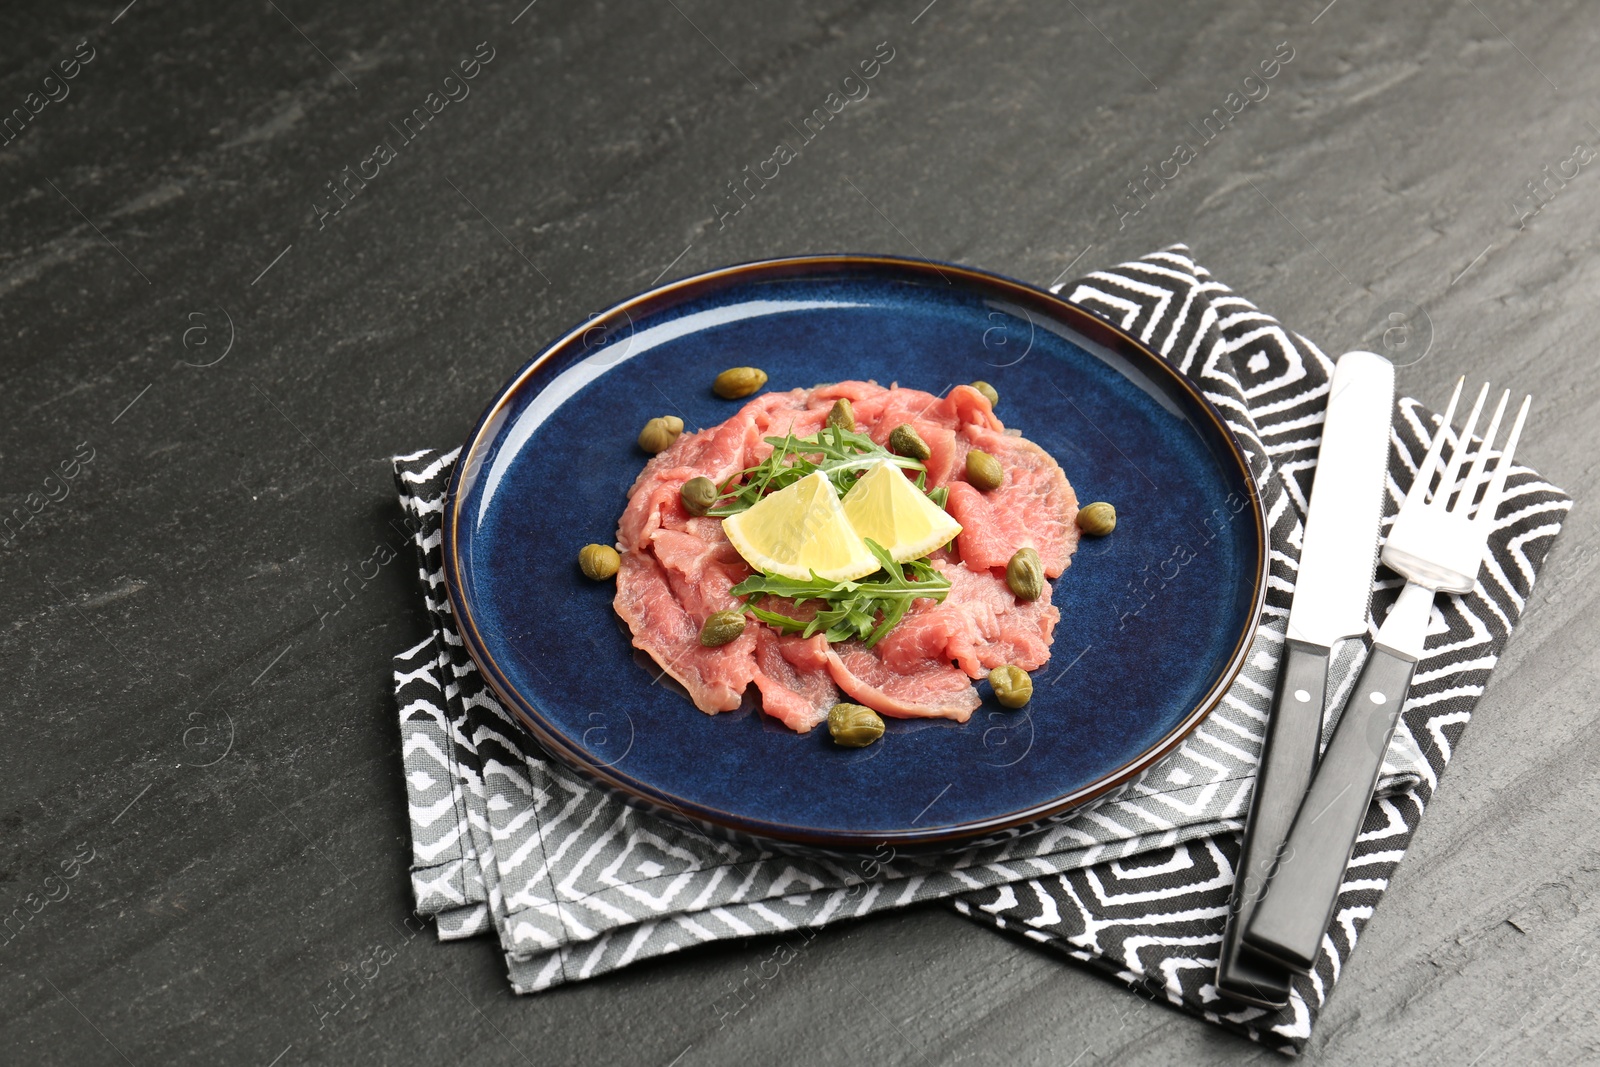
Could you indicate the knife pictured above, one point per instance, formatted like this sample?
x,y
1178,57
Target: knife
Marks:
x,y
1332,593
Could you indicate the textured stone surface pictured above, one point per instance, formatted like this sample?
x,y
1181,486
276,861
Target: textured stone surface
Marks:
x,y
171,687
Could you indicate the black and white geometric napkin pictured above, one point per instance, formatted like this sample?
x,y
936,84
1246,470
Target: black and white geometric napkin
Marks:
x,y
575,883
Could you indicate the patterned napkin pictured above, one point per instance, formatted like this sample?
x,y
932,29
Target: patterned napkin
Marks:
x,y
575,883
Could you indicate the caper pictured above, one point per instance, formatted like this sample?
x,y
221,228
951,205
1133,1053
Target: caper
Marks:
x,y
904,440
1098,519
983,471
1025,574
1012,686
736,382
722,627
988,391
842,414
598,561
699,493
659,433
853,725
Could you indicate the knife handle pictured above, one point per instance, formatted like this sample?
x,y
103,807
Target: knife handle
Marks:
x,y
1290,920
1288,756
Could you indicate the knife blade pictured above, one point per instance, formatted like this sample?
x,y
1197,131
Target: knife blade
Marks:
x,y
1332,594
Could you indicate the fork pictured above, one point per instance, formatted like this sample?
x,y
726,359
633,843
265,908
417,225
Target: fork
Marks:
x,y
1437,545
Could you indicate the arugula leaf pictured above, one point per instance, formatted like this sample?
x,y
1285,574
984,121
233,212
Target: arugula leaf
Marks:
x,y
864,608
839,453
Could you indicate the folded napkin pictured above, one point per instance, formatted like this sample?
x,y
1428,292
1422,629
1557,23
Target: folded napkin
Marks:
x,y
575,883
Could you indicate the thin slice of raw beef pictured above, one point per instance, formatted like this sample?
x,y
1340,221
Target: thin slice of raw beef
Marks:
x,y
1034,508
935,690
792,674
716,678
980,625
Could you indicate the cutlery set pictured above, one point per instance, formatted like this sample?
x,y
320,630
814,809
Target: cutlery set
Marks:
x,y
1306,814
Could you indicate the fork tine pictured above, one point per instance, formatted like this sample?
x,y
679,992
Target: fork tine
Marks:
x,y
1491,499
1459,454
1424,476
1474,479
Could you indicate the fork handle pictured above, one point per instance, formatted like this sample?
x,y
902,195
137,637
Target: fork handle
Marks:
x,y
1289,922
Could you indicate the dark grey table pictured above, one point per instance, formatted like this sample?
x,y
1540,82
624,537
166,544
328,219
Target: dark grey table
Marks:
x,y
223,350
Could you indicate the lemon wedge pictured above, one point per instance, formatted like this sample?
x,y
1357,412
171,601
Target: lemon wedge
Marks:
x,y
885,506
800,529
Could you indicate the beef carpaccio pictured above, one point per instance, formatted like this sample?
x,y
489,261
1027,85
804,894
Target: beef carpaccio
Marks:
x,y
677,569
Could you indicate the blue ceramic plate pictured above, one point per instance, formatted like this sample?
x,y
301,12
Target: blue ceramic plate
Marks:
x,y
1156,618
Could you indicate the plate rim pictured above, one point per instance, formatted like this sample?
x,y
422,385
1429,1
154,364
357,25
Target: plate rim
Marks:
x,y
730,824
